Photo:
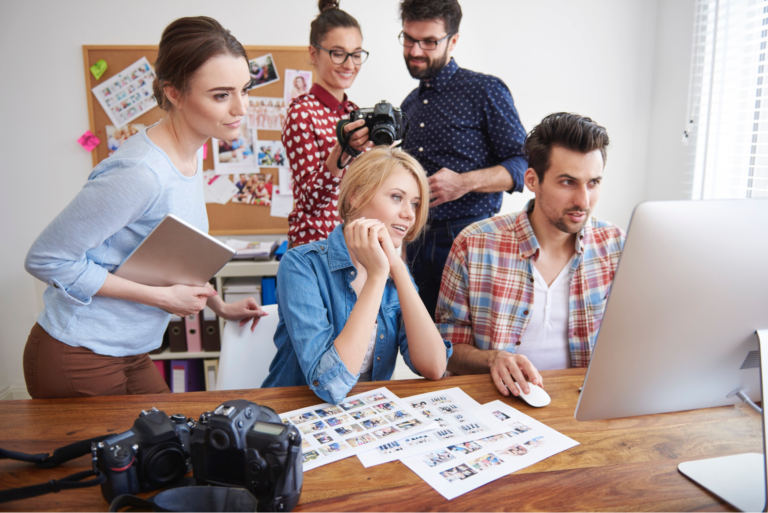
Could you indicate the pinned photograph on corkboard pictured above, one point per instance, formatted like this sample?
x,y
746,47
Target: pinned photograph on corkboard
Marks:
x,y
235,155
271,154
266,113
297,83
263,71
128,94
253,189
117,136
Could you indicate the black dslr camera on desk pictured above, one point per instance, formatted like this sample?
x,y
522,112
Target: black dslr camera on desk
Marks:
x,y
386,124
243,444
153,454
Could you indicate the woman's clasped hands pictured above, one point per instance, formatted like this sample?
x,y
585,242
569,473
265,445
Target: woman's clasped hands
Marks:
x,y
370,244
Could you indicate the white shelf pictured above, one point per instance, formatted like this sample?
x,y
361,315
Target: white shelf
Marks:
x,y
186,355
239,268
236,268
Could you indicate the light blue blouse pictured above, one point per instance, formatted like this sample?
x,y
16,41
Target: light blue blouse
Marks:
x,y
125,197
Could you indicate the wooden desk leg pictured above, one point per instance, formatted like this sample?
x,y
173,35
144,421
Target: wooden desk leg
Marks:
x,y
741,479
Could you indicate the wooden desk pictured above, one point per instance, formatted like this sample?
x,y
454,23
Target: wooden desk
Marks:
x,y
625,464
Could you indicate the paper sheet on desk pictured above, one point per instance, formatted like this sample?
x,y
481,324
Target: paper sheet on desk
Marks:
x,y
331,433
459,417
455,469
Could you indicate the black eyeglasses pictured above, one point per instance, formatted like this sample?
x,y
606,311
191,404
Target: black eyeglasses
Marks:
x,y
427,44
340,56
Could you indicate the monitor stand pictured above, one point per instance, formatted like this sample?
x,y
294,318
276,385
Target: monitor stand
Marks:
x,y
740,479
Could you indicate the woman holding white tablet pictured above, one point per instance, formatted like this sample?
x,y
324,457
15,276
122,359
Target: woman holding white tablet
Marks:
x,y
96,328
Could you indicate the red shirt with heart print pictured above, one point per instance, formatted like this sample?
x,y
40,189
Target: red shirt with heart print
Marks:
x,y
309,135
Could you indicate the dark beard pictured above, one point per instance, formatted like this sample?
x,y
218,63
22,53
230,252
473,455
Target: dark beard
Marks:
x,y
433,67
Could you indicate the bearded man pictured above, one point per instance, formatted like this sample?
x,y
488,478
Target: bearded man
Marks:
x,y
464,131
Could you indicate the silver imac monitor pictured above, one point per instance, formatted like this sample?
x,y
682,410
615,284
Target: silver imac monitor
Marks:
x,y
679,331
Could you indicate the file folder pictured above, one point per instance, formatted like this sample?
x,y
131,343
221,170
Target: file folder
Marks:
x,y
210,331
187,376
211,373
194,340
177,335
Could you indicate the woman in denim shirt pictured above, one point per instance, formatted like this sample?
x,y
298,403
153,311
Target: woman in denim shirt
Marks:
x,y
348,304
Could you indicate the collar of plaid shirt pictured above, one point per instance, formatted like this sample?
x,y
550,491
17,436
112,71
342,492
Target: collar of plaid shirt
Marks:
x,y
487,289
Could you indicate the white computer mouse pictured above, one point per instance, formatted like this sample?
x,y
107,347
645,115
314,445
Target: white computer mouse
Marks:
x,y
537,396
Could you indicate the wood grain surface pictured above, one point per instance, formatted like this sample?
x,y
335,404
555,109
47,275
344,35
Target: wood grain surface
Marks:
x,y
620,465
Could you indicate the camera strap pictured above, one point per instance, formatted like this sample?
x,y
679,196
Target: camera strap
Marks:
x,y
345,146
44,460
60,455
191,498
53,486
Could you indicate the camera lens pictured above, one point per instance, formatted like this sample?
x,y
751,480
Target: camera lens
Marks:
x,y
219,439
383,133
163,464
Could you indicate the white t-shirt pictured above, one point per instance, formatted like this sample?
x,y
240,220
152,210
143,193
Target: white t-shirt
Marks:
x,y
368,360
545,339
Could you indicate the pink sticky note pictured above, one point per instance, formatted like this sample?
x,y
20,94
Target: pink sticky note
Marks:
x,y
88,140
205,151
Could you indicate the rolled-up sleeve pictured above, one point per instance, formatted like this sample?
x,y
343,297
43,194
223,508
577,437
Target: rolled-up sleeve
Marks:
x,y
506,132
307,322
109,201
452,314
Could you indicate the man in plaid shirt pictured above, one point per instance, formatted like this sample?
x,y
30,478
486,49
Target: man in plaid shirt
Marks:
x,y
526,291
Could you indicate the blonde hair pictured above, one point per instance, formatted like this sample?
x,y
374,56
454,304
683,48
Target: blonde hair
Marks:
x,y
367,174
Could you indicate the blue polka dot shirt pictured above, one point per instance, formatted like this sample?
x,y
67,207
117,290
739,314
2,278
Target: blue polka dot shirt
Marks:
x,y
464,121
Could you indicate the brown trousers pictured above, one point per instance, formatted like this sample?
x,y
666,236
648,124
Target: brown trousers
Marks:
x,y
53,370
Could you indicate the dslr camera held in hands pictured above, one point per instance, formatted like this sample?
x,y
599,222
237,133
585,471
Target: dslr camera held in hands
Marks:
x,y
386,124
246,445
152,454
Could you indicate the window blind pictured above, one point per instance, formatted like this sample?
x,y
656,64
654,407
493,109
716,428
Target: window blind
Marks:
x,y
727,126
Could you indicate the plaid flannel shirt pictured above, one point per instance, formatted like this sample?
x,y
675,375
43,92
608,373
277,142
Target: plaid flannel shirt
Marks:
x,y
487,290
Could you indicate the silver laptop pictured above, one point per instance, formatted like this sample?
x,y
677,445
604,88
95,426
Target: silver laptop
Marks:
x,y
679,328
175,253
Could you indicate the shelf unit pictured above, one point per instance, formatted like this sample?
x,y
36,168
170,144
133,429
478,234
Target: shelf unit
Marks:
x,y
186,355
238,268
233,269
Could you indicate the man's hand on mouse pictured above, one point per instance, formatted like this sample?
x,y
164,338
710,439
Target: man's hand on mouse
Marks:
x,y
508,368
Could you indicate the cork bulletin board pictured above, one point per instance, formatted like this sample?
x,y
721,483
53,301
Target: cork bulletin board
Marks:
x,y
229,219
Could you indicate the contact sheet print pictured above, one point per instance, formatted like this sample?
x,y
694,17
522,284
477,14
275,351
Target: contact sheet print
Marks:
x,y
331,433
457,416
455,468
127,95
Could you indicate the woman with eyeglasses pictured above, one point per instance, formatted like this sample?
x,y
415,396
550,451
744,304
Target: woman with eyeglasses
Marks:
x,y
309,133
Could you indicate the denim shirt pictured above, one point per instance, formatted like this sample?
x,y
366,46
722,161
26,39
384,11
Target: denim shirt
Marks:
x,y
315,298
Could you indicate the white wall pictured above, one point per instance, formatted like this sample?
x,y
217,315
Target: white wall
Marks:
x,y
670,163
595,57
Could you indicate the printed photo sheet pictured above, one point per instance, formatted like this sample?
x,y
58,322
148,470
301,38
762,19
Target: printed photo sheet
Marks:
x,y
127,95
458,416
455,469
331,433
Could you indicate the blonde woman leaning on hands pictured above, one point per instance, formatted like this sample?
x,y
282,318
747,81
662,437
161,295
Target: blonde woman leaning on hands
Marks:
x,y
347,304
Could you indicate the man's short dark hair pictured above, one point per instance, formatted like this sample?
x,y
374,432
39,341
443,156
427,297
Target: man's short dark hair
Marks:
x,y
565,129
423,10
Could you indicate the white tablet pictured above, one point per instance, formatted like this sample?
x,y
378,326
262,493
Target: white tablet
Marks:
x,y
175,253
